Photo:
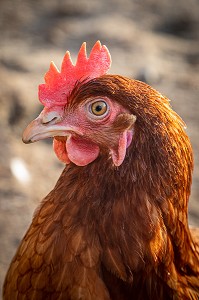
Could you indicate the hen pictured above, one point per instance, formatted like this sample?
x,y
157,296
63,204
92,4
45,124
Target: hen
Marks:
x,y
115,225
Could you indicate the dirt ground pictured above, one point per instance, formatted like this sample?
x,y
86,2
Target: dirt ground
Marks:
x,y
154,41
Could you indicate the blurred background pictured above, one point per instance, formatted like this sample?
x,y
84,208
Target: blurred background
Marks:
x,y
153,41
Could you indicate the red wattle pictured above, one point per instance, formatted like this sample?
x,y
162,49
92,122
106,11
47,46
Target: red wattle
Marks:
x,y
80,151
60,150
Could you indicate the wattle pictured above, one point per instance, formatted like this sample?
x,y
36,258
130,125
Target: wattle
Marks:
x,y
75,149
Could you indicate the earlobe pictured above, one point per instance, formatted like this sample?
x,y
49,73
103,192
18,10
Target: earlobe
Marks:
x,y
118,155
124,128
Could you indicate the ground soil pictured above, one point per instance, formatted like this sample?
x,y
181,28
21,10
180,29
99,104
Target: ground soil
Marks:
x,y
154,41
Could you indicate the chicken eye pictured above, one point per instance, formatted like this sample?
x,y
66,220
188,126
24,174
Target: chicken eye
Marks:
x,y
99,108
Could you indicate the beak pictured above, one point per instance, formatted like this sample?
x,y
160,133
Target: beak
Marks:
x,y
45,126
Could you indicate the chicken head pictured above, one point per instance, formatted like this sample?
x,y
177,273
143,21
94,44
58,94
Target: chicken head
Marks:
x,y
82,130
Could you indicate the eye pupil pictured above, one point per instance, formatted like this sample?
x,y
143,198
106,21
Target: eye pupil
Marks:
x,y
98,108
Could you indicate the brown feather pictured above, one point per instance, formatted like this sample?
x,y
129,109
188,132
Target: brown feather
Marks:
x,y
108,232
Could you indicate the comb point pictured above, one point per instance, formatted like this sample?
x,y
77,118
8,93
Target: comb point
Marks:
x,y
95,50
66,63
98,45
82,55
53,67
52,73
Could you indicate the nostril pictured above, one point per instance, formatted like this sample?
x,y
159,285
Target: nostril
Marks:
x,y
50,121
51,117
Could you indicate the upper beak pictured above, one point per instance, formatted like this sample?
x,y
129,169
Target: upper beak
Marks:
x,y
45,126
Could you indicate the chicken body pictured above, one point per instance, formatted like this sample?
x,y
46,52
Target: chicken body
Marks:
x,y
110,231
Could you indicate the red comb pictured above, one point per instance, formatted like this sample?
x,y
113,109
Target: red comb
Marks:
x,y
58,85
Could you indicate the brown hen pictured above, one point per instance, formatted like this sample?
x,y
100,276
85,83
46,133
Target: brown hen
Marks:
x,y
115,225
